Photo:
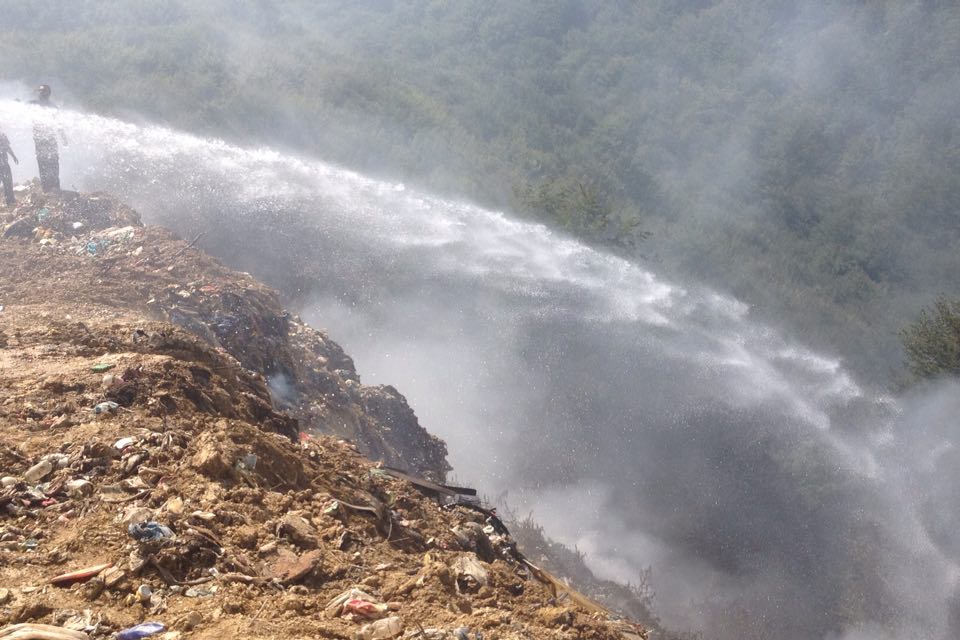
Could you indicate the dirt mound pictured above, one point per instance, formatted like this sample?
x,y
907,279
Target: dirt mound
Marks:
x,y
152,467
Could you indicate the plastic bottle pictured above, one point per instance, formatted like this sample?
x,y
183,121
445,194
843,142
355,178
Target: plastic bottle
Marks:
x,y
38,472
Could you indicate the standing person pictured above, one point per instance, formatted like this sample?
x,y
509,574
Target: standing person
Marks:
x,y
45,139
6,176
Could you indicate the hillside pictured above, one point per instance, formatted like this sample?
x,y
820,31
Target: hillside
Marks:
x,y
204,460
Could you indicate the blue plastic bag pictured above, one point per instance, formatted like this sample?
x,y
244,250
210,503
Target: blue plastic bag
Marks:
x,y
149,531
141,631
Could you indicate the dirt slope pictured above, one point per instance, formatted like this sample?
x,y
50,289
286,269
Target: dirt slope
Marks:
x,y
135,399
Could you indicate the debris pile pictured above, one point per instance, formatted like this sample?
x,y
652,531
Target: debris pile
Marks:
x,y
154,484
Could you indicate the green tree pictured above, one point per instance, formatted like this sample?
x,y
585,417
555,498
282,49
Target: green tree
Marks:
x,y
583,209
933,341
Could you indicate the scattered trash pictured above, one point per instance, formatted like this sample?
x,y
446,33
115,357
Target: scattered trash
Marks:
x,y
144,630
110,380
112,576
246,532
121,234
332,508
144,593
334,607
123,443
81,575
149,531
470,573
87,621
364,609
58,460
381,629
32,631
105,407
39,471
78,488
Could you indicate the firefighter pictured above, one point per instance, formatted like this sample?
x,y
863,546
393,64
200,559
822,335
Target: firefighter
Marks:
x,y
6,176
45,139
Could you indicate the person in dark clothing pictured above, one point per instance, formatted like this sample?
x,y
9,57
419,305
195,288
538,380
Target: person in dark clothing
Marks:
x,y
6,176
45,139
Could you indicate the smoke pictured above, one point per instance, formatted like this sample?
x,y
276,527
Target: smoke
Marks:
x,y
282,390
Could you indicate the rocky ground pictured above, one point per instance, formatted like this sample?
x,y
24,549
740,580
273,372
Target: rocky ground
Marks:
x,y
175,448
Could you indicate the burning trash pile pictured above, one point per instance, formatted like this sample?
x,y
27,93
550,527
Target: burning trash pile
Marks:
x,y
152,486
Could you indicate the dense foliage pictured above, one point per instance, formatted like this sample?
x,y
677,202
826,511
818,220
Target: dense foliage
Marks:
x,y
933,341
803,155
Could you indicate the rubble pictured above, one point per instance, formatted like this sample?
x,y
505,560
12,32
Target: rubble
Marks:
x,y
195,503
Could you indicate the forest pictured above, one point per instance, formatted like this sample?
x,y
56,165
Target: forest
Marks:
x,y
802,156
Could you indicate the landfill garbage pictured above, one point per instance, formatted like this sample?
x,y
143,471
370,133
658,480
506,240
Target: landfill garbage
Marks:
x,y
87,621
335,606
58,460
123,443
39,471
365,609
32,631
104,407
112,576
78,488
149,531
81,575
381,629
332,508
470,572
111,380
144,593
143,630
209,450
